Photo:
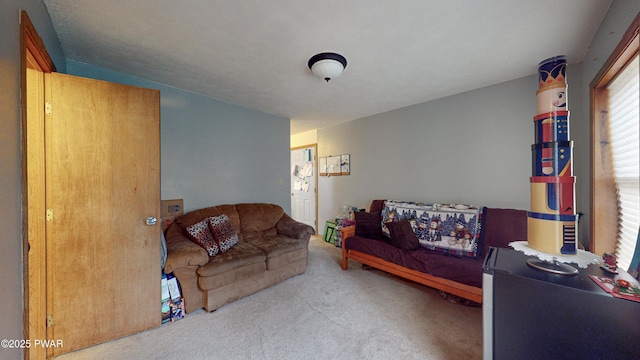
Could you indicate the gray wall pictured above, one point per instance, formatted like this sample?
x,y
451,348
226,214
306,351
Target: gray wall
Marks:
x,y
213,152
472,147
11,158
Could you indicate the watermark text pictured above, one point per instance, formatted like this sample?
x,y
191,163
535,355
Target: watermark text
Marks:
x,y
27,344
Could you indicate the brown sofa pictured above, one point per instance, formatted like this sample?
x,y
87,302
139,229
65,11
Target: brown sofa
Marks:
x,y
271,247
461,276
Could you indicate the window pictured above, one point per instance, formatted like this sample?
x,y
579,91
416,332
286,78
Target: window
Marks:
x,y
624,135
615,155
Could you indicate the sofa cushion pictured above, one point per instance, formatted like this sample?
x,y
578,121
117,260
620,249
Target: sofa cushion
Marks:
x,y
459,269
258,219
368,224
381,248
202,235
402,235
238,256
223,232
231,277
286,259
280,250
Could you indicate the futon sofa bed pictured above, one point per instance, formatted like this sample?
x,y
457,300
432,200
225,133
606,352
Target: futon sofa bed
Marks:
x,y
411,250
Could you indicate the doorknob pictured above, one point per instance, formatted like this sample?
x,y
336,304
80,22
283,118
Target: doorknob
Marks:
x,y
151,220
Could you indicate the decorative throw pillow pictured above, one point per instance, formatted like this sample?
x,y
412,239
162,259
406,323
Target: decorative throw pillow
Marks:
x,y
402,235
202,235
368,225
223,232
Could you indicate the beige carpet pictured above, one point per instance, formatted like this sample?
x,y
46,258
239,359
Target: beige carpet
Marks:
x,y
325,313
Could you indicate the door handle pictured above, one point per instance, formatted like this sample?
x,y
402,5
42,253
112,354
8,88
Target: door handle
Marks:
x,y
151,220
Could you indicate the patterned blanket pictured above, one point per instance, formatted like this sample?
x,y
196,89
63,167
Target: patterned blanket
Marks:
x,y
453,229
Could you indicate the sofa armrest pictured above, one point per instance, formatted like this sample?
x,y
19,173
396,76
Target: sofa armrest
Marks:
x,y
182,252
294,229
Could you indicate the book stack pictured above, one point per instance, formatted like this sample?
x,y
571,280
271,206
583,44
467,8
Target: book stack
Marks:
x,y
176,304
166,300
172,301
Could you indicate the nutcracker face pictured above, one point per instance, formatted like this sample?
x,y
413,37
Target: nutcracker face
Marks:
x,y
434,225
560,101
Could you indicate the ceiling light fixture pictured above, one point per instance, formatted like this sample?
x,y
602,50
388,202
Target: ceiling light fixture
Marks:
x,y
327,65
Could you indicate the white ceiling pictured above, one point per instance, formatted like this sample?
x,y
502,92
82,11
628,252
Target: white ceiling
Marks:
x,y
254,53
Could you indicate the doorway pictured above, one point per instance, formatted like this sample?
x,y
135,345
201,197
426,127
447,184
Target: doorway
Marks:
x,y
304,180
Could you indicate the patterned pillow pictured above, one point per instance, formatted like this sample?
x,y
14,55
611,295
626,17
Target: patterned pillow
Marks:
x,y
202,235
223,232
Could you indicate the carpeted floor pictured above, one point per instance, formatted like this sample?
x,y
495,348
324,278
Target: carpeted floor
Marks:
x,y
325,313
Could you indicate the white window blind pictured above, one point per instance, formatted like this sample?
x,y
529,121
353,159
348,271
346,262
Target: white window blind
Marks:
x,y
624,122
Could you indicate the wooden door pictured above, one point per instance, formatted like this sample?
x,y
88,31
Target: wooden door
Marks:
x,y
303,185
102,182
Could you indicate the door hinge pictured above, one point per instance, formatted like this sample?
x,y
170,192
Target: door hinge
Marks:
x,y
49,214
50,320
47,108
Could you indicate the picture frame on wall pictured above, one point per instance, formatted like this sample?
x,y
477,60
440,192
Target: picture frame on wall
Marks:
x,y
345,164
333,165
322,166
